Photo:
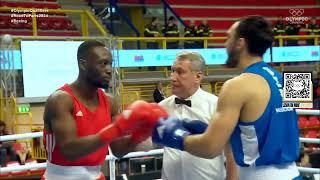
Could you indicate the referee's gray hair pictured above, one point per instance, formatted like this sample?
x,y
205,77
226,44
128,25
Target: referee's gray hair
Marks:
x,y
198,62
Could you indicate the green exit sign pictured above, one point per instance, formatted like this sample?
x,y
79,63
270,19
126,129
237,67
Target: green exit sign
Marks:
x,y
22,108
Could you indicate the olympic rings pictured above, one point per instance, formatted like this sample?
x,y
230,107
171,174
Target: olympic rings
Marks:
x,y
296,12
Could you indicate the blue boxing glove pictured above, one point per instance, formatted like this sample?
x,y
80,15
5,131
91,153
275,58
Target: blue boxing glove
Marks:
x,y
170,132
194,126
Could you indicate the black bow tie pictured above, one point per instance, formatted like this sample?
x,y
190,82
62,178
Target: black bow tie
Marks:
x,y
182,101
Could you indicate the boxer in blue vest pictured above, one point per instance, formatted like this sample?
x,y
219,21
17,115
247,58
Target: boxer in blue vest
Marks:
x,y
264,135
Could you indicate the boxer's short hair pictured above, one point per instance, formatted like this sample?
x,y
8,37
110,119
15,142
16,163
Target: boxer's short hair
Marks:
x,y
257,32
86,47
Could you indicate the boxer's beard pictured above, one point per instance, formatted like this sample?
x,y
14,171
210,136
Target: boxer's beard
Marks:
x,y
103,85
233,58
98,83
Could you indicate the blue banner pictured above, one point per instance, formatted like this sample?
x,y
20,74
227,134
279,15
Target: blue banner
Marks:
x,y
47,65
296,53
10,59
160,57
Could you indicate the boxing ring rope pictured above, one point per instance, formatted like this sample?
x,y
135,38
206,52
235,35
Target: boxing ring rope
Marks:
x,y
313,112
310,140
21,136
112,159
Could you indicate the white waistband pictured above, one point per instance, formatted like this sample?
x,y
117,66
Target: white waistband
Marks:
x,y
54,171
273,172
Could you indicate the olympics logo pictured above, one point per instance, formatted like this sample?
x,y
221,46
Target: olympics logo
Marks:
x,y
296,12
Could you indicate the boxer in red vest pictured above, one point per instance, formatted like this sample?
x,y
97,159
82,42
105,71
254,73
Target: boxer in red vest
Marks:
x,y
78,120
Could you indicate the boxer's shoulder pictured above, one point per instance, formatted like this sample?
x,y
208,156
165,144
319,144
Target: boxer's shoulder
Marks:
x,y
235,82
235,87
250,83
59,99
242,81
248,77
58,103
60,96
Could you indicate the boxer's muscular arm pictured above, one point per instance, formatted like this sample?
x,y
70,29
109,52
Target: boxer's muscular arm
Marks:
x,y
231,166
58,118
213,140
123,145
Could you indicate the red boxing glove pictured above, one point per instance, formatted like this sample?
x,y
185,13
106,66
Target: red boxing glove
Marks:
x,y
138,114
144,132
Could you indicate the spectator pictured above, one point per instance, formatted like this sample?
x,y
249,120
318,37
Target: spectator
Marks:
x,y
171,30
152,30
6,147
91,6
313,29
304,161
315,159
292,29
316,95
204,30
279,28
158,94
102,13
23,152
190,31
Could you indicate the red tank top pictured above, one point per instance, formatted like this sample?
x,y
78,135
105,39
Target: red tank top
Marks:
x,y
88,123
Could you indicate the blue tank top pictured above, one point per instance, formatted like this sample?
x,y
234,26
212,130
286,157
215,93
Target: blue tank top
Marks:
x,y
272,139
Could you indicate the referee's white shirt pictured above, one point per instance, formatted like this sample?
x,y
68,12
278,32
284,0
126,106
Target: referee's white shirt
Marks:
x,y
180,165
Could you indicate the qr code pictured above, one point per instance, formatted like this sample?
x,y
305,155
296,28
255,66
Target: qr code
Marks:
x,y
297,86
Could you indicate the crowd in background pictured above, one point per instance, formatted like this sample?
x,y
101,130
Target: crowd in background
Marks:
x,y
308,158
12,151
7,152
153,29
282,27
